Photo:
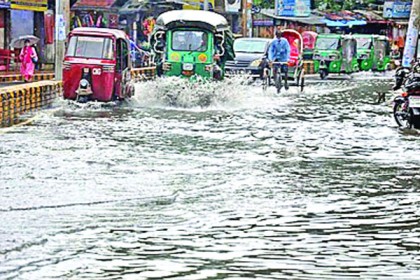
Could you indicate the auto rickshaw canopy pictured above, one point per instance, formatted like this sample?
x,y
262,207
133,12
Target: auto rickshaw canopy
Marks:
x,y
192,18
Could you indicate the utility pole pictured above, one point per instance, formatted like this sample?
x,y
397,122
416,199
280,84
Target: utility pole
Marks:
x,y
249,17
412,34
244,18
62,28
206,5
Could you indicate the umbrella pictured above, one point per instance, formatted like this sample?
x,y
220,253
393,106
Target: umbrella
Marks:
x,y
20,42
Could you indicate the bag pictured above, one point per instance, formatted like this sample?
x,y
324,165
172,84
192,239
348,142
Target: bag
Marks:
x,y
35,58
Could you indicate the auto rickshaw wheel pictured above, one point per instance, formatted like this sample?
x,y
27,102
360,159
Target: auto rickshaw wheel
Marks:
x,y
301,80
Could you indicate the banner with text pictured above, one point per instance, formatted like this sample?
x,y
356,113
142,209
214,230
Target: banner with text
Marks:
x,y
293,8
30,5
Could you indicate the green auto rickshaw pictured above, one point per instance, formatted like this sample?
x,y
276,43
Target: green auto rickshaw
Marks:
x,y
335,53
189,43
373,52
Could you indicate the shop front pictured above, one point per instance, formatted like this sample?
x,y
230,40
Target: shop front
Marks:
x,y
94,13
27,18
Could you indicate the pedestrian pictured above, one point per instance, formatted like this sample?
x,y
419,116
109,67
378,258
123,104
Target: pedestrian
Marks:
x,y
28,58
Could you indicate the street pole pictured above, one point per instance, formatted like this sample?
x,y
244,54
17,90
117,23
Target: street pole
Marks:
x,y
249,17
206,5
244,18
412,34
62,28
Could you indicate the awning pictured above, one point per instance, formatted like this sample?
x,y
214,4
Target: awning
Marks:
x,y
98,5
134,6
372,17
311,20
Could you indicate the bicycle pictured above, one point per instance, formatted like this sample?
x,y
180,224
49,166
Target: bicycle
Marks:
x,y
279,77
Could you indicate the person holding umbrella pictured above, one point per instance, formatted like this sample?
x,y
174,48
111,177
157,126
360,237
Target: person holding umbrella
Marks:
x,y
28,57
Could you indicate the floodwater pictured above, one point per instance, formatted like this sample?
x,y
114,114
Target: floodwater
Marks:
x,y
214,181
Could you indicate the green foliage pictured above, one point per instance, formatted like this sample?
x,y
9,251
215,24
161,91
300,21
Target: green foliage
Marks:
x,y
265,4
334,5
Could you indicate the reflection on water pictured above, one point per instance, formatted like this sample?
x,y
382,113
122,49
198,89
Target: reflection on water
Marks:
x,y
319,185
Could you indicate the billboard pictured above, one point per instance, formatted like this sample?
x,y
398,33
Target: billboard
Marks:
x,y
397,9
197,5
293,8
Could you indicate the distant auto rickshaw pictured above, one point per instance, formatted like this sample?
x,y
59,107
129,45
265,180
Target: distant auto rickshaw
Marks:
x,y
309,40
335,53
373,52
97,65
189,43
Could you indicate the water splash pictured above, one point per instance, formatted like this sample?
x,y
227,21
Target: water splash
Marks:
x,y
185,93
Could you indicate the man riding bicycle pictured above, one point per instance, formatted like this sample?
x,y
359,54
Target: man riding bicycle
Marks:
x,y
279,51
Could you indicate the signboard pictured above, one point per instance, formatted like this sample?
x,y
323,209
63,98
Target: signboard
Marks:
x,y
29,5
263,22
197,5
293,8
61,27
397,9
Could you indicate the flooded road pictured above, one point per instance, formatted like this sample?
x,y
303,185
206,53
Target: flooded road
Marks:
x,y
318,185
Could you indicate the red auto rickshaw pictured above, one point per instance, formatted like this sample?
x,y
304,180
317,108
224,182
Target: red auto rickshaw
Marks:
x,y
97,65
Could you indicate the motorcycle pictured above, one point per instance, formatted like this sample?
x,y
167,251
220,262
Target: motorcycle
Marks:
x,y
406,107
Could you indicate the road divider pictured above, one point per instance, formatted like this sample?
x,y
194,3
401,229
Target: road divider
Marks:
x,y
18,100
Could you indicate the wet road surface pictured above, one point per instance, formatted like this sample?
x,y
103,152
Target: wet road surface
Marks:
x,y
317,185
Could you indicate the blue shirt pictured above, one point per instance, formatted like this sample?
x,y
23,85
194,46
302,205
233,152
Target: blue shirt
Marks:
x,y
279,50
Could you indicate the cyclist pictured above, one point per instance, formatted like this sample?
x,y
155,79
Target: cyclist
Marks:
x,y
279,51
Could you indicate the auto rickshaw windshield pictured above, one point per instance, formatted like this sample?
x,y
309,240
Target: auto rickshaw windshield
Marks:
x,y
327,43
250,46
184,40
364,43
90,47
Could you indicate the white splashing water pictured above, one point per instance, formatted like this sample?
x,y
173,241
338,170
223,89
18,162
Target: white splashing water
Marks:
x,y
233,93
198,93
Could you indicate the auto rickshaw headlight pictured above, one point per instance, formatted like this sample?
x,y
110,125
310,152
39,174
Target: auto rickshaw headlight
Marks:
x,y
84,84
256,63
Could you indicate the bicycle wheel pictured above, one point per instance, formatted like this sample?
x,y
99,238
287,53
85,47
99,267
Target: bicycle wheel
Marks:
x,y
266,81
278,81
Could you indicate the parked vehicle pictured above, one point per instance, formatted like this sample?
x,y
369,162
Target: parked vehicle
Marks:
x,y
189,43
250,56
335,53
309,40
97,65
406,107
373,52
